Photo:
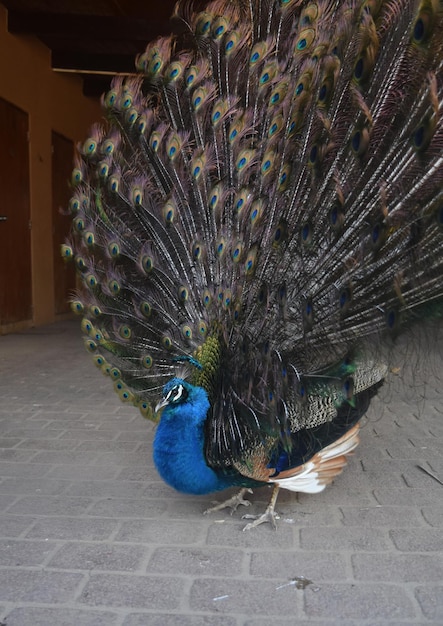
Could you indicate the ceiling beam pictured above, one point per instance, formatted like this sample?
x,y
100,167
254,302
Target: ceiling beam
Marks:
x,y
84,27
85,62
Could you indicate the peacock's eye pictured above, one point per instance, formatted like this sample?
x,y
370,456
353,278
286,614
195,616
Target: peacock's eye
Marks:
x,y
177,394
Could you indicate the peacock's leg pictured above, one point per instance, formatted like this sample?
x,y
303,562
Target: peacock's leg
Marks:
x,y
268,516
232,503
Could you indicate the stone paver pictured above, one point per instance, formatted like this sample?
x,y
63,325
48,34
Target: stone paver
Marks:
x,y
90,536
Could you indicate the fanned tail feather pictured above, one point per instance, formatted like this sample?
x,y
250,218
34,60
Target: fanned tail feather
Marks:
x,y
265,211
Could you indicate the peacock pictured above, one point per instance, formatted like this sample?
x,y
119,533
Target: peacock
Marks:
x,y
255,223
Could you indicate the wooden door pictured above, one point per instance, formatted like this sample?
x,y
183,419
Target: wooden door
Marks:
x,y
64,273
15,225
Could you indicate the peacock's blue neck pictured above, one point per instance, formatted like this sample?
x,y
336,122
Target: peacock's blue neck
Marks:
x,y
179,446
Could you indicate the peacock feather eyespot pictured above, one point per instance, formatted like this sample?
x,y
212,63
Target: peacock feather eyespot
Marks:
x,y
237,252
89,238
336,217
262,296
137,196
89,147
108,147
114,286
423,134
114,250
304,40
99,360
91,281
76,176
145,409
203,24
221,247
232,42
173,146
280,234
283,180
110,99
258,52
125,332
197,251
218,112
131,116
425,22
207,298
168,214
103,169
98,336
219,27
145,309
244,159
167,342
215,196
142,124
66,252
268,162
378,235
202,328
174,71
362,68
147,361
90,345
198,166
251,261
268,74
183,294
77,307
154,140
186,331
191,75
276,125
256,212
114,184
147,263
360,141
74,205
87,326
125,102
199,97
115,373
314,156
306,233
95,310
80,263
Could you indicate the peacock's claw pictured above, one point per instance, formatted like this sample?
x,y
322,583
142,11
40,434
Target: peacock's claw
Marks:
x,y
231,503
269,516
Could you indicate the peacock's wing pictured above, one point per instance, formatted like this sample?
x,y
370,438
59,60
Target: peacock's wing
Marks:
x,y
266,210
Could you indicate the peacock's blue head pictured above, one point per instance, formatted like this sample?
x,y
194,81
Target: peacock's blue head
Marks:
x,y
182,398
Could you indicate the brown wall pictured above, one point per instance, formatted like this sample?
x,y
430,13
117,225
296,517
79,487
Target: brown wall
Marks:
x,y
53,101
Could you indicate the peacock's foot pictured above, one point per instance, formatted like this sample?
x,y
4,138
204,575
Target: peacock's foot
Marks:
x,y
232,503
269,516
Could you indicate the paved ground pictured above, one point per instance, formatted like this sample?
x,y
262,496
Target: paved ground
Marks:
x,y
90,536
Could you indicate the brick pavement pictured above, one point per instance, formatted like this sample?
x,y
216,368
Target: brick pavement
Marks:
x,y
90,536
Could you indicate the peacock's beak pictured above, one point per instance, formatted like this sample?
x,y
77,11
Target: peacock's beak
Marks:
x,y
161,405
